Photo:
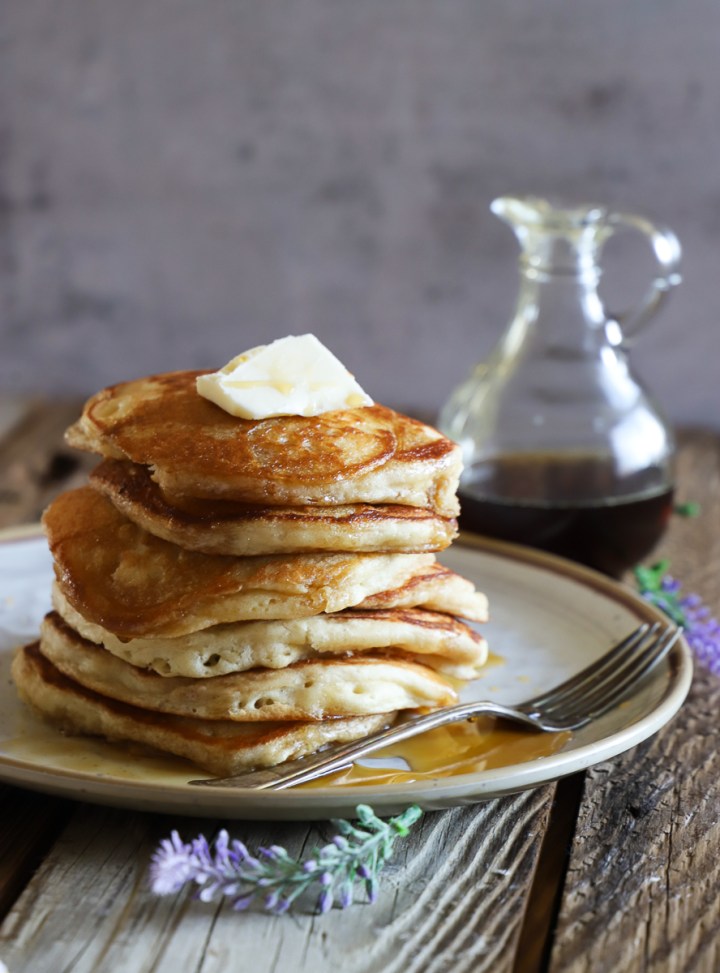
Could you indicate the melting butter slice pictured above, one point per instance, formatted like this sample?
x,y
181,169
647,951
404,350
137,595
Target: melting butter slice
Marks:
x,y
293,376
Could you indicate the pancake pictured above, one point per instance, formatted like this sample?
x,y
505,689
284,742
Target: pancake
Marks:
x,y
229,527
221,747
438,589
439,641
196,449
311,690
135,584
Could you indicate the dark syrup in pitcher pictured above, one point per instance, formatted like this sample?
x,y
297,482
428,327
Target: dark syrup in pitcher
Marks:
x,y
609,534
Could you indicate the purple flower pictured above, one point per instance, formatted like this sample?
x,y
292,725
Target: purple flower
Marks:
x,y
282,906
222,852
274,853
271,900
371,887
325,901
346,894
208,892
242,902
173,864
701,630
229,870
238,852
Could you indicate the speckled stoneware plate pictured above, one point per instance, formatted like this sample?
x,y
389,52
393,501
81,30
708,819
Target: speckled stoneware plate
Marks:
x,y
550,618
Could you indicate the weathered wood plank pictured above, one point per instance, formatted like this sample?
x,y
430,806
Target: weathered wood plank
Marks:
x,y
12,410
30,824
643,886
453,900
35,464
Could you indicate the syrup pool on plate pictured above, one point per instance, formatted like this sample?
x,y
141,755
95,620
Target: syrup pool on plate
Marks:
x,y
460,748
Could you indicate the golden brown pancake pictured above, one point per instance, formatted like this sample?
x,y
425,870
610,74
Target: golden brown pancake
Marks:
x,y
137,585
196,449
437,640
315,689
229,527
436,588
221,747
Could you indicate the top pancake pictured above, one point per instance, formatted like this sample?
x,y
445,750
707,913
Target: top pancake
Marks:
x,y
196,449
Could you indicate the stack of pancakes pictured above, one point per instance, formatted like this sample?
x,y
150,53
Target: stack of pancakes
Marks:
x,y
241,592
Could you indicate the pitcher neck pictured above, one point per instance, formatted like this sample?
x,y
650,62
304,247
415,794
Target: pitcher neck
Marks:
x,y
558,258
561,299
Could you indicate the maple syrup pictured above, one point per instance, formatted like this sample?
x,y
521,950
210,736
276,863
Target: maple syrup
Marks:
x,y
576,515
459,748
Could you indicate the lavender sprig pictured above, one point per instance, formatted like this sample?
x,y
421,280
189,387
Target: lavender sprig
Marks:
x,y
702,631
358,852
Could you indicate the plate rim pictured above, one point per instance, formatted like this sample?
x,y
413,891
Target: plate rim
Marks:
x,y
187,799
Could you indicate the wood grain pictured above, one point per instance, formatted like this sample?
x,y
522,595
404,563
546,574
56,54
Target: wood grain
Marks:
x,y
643,885
30,824
452,900
35,464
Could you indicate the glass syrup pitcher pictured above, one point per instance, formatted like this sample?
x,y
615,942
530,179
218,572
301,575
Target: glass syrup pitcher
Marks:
x,y
563,448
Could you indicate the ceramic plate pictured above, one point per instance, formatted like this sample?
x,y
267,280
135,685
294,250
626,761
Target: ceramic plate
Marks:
x,y
550,618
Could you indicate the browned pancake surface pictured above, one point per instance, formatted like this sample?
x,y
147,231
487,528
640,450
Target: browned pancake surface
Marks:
x,y
436,588
315,689
231,527
222,747
196,449
135,584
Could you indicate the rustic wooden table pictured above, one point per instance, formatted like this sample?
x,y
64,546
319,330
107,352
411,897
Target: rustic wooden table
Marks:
x,y
615,870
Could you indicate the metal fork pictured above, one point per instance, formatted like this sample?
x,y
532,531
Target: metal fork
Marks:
x,y
572,704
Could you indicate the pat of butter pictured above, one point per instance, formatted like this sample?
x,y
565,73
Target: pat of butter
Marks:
x,y
293,376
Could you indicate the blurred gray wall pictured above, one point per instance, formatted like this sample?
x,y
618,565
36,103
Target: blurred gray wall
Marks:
x,y
181,179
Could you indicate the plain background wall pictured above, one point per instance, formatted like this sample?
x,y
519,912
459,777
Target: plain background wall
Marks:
x,y
181,179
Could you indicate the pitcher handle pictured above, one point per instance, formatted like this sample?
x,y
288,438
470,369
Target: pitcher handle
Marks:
x,y
667,250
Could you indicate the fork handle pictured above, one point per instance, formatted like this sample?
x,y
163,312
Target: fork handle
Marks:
x,y
341,756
